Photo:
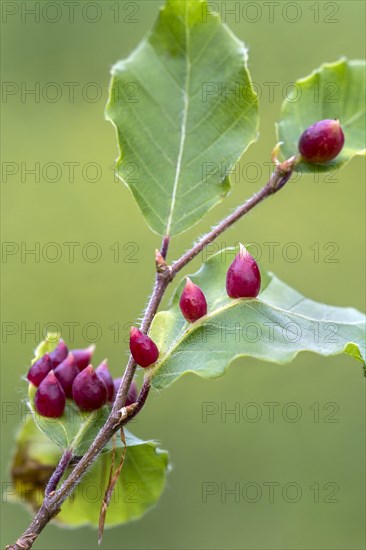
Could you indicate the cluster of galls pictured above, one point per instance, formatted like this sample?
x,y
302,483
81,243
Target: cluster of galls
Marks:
x,y
62,374
243,280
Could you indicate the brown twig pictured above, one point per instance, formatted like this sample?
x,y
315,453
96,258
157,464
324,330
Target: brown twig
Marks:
x,y
51,505
58,473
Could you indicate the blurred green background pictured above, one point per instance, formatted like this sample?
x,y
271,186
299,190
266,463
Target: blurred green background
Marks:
x,y
66,59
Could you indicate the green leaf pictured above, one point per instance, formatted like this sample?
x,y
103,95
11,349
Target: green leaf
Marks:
x,y
46,346
335,90
139,487
75,429
274,327
185,111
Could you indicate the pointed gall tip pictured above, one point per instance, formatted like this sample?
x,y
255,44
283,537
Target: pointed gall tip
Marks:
x,y
336,125
51,377
189,282
103,365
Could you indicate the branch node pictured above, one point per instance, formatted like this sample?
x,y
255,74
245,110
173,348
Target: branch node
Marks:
x,y
160,263
126,412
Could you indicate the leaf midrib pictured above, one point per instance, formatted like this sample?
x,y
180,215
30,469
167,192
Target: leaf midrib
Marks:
x,y
184,124
84,425
224,308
